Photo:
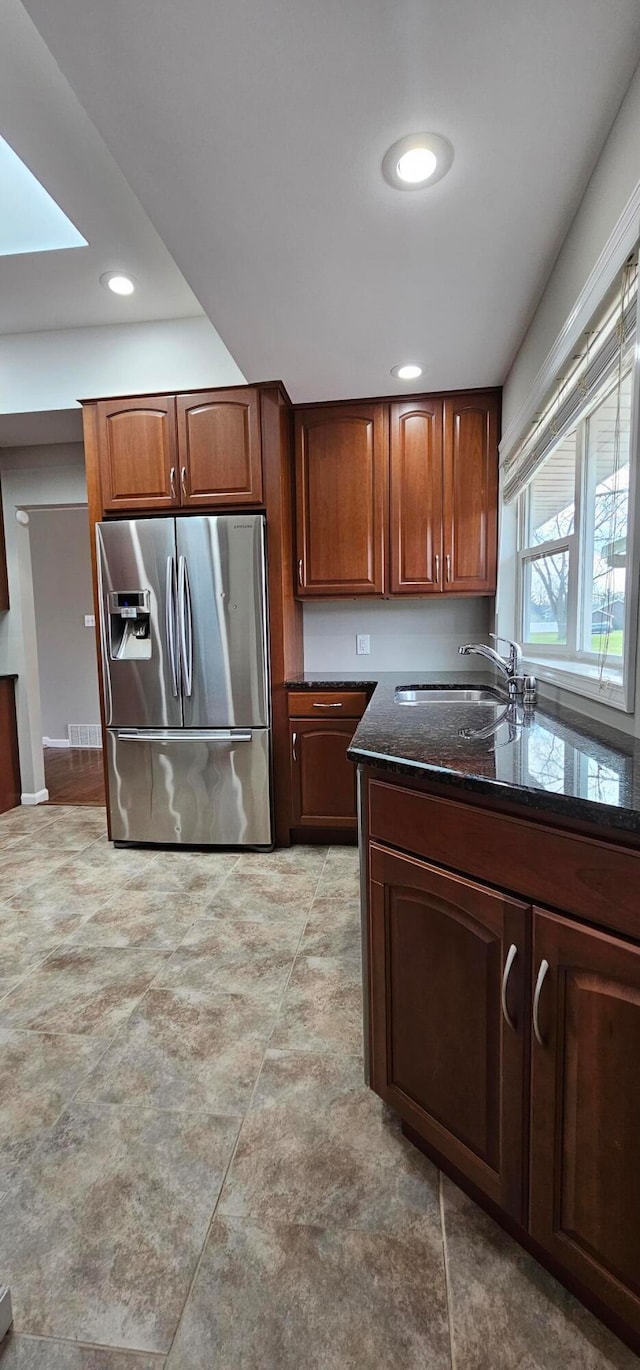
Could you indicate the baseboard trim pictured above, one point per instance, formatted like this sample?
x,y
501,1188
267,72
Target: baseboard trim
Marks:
x,y
56,742
38,797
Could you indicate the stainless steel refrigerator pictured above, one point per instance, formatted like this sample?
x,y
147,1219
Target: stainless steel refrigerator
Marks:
x,y
183,620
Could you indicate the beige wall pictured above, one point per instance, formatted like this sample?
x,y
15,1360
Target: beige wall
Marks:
x,y
32,478
418,635
62,593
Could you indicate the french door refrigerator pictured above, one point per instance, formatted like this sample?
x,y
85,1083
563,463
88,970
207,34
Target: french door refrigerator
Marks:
x,y
183,621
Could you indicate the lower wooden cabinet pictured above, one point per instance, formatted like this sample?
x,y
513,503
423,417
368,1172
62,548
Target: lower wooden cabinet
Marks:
x,y
323,779
448,976
10,788
507,1037
584,1206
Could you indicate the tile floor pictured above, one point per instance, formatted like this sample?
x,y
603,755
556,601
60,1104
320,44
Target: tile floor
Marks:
x,y
192,1173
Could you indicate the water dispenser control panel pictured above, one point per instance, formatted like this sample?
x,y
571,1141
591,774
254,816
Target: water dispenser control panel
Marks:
x,y
129,624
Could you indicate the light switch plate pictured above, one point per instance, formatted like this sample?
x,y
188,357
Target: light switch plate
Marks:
x,y
89,620
363,644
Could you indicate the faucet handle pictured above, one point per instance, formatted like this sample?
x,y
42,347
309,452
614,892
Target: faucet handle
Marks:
x,y
515,651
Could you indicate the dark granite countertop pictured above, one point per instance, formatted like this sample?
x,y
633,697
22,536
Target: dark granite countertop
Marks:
x,y
553,760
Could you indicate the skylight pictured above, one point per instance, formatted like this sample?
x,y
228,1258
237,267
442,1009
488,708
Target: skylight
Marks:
x,y
30,220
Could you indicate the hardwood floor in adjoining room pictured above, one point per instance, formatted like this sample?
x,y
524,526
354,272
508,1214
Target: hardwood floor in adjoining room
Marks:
x,y
74,775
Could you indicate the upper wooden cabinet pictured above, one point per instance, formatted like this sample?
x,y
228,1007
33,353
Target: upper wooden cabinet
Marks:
x,y
585,1111
168,451
415,497
341,463
417,478
219,448
137,451
470,492
4,580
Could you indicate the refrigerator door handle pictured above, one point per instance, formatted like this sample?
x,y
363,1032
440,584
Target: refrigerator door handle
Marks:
x,y
170,623
183,735
186,625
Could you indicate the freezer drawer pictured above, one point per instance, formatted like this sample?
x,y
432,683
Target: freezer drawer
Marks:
x,y
202,788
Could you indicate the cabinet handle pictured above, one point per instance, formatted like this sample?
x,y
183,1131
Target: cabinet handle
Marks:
x,y
172,478
300,572
328,706
183,480
448,560
294,739
437,561
544,966
511,956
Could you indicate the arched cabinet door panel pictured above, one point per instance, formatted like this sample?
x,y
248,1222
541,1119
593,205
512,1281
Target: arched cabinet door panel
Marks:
x,y
137,445
470,493
323,778
415,497
341,474
219,448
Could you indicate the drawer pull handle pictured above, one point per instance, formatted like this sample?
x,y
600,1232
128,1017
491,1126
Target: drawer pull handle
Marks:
x,y
511,956
448,560
301,572
172,479
544,966
327,706
183,481
437,561
294,739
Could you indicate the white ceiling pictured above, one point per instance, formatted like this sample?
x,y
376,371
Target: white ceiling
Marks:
x,y
45,124
252,131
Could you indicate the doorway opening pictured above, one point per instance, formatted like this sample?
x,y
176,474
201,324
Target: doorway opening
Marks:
x,y
67,658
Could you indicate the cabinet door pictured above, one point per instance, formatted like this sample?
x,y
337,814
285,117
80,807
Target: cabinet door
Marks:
x,y
341,459
585,1108
137,452
323,778
448,1016
416,498
4,581
219,448
470,493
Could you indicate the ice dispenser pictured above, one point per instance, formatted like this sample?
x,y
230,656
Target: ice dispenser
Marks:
x,y
129,613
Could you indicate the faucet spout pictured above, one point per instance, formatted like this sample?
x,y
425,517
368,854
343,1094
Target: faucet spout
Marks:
x,y
510,667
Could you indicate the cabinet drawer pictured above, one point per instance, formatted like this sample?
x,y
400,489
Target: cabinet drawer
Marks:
x,y
327,703
593,880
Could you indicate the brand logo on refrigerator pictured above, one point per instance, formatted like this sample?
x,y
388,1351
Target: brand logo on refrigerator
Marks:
x,y
243,525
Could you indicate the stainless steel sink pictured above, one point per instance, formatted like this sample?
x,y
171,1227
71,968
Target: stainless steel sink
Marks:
x,y
423,694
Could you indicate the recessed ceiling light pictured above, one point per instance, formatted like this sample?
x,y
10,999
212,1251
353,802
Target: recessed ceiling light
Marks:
x,y
409,372
119,284
416,161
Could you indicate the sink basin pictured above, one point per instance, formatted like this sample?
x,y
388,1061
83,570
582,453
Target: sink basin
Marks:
x,y
423,694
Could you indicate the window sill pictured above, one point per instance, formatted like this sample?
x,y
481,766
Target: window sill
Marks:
x,y
581,679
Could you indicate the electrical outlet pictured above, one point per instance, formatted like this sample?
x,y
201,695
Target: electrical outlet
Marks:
x,y
363,644
89,620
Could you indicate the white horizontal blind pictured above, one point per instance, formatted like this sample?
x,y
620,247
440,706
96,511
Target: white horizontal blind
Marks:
x,y
572,394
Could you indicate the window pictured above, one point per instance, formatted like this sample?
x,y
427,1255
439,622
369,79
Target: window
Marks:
x,y
574,539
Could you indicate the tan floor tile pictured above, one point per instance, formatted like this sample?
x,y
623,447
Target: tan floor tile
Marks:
x,y
506,1311
187,872
322,1007
35,1353
255,895
39,1073
318,1147
138,918
241,957
288,860
333,928
273,1297
80,990
99,1240
184,1049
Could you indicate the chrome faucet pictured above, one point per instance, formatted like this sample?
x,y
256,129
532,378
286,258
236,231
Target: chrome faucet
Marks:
x,y
519,686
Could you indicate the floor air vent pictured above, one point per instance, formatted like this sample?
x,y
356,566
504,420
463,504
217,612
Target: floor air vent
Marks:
x,y
85,735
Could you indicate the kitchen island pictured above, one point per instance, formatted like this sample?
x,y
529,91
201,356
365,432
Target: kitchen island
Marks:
x,y
501,918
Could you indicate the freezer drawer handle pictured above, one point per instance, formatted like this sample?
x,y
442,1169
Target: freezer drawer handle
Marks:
x,y
183,735
170,612
186,626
